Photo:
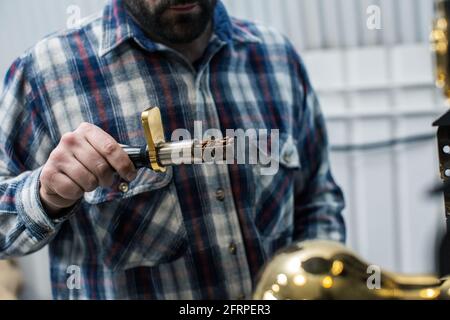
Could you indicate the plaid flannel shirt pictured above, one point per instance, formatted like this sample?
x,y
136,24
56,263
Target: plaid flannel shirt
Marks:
x,y
194,232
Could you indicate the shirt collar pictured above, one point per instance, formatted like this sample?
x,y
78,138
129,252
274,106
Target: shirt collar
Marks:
x,y
118,27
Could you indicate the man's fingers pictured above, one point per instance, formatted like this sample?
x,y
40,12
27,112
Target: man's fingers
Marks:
x,y
64,187
95,163
83,160
110,151
79,174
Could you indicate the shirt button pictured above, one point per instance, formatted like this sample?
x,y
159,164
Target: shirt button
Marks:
x,y
220,195
124,187
232,248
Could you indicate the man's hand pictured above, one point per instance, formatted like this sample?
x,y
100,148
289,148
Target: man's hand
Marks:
x,y
84,160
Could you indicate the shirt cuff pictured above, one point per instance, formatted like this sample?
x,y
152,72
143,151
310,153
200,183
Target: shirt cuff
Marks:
x,y
31,210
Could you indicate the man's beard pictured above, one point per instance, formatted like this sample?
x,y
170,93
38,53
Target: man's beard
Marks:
x,y
172,29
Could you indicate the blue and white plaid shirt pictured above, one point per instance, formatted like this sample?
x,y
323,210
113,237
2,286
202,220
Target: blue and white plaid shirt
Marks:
x,y
195,232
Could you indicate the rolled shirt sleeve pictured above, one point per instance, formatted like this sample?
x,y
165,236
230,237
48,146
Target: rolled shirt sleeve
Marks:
x,y
24,145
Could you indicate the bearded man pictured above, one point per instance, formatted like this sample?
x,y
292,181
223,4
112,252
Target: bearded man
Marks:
x,y
193,232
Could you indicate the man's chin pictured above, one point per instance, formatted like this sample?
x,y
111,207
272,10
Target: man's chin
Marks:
x,y
183,32
174,18
180,39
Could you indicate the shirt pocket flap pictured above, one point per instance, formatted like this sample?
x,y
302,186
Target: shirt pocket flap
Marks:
x,y
287,155
146,180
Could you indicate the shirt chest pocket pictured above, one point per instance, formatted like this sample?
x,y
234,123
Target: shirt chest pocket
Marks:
x,y
139,224
273,178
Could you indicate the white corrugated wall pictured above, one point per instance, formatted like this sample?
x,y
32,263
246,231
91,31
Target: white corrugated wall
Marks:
x,y
374,85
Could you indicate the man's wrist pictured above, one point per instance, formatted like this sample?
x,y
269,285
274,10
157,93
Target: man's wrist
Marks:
x,y
53,212
30,208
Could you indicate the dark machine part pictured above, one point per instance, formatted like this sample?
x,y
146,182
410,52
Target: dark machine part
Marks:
x,y
444,256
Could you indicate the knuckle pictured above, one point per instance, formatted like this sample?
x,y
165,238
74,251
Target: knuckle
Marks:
x,y
57,156
69,139
110,148
46,176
